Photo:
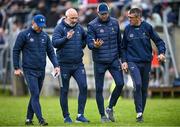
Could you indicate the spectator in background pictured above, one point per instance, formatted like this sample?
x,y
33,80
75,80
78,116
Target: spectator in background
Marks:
x,y
90,14
113,9
137,56
17,10
123,19
41,8
2,41
104,39
154,19
53,16
63,6
2,18
68,5
34,44
171,20
69,40
2,49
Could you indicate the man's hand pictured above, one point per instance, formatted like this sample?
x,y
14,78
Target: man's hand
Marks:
x,y
70,34
162,57
18,72
56,71
98,42
124,67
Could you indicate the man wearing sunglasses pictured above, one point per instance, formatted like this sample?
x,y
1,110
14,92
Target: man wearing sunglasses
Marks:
x,y
104,39
137,56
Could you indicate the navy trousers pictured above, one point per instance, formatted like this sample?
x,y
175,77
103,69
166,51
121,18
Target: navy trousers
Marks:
x,y
79,74
140,76
116,72
35,82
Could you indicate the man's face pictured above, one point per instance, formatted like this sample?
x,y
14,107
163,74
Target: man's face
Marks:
x,y
103,16
36,28
134,20
72,19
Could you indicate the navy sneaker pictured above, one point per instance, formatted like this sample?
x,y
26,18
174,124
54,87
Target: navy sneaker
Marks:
x,y
82,119
110,115
140,119
43,123
67,120
29,122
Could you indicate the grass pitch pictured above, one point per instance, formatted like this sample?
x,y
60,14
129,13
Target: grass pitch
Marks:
x,y
159,112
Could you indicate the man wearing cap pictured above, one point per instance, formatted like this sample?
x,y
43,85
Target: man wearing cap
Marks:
x,y
104,39
34,44
69,40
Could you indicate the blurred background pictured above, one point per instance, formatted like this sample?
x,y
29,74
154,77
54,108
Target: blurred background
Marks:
x,y
163,15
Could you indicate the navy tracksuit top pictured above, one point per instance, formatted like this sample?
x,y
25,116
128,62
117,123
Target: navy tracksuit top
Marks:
x,y
69,51
34,47
136,44
109,32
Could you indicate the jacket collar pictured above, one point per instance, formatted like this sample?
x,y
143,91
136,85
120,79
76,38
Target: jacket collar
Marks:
x,y
32,30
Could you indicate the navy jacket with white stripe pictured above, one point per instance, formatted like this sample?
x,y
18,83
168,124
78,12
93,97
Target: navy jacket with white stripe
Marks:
x,y
69,51
34,47
136,44
109,32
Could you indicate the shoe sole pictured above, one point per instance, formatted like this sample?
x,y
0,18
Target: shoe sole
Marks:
x,y
68,122
140,120
105,121
77,121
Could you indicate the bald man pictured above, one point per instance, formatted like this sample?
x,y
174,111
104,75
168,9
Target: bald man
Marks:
x,y
69,40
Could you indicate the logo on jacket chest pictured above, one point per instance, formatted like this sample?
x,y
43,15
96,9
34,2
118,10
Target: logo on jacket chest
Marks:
x,y
43,41
31,39
131,35
101,30
113,29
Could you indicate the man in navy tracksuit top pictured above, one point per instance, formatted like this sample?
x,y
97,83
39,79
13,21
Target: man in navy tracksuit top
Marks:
x,y
69,41
104,39
34,44
137,56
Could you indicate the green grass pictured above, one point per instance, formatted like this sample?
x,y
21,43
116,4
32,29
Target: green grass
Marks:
x,y
159,112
